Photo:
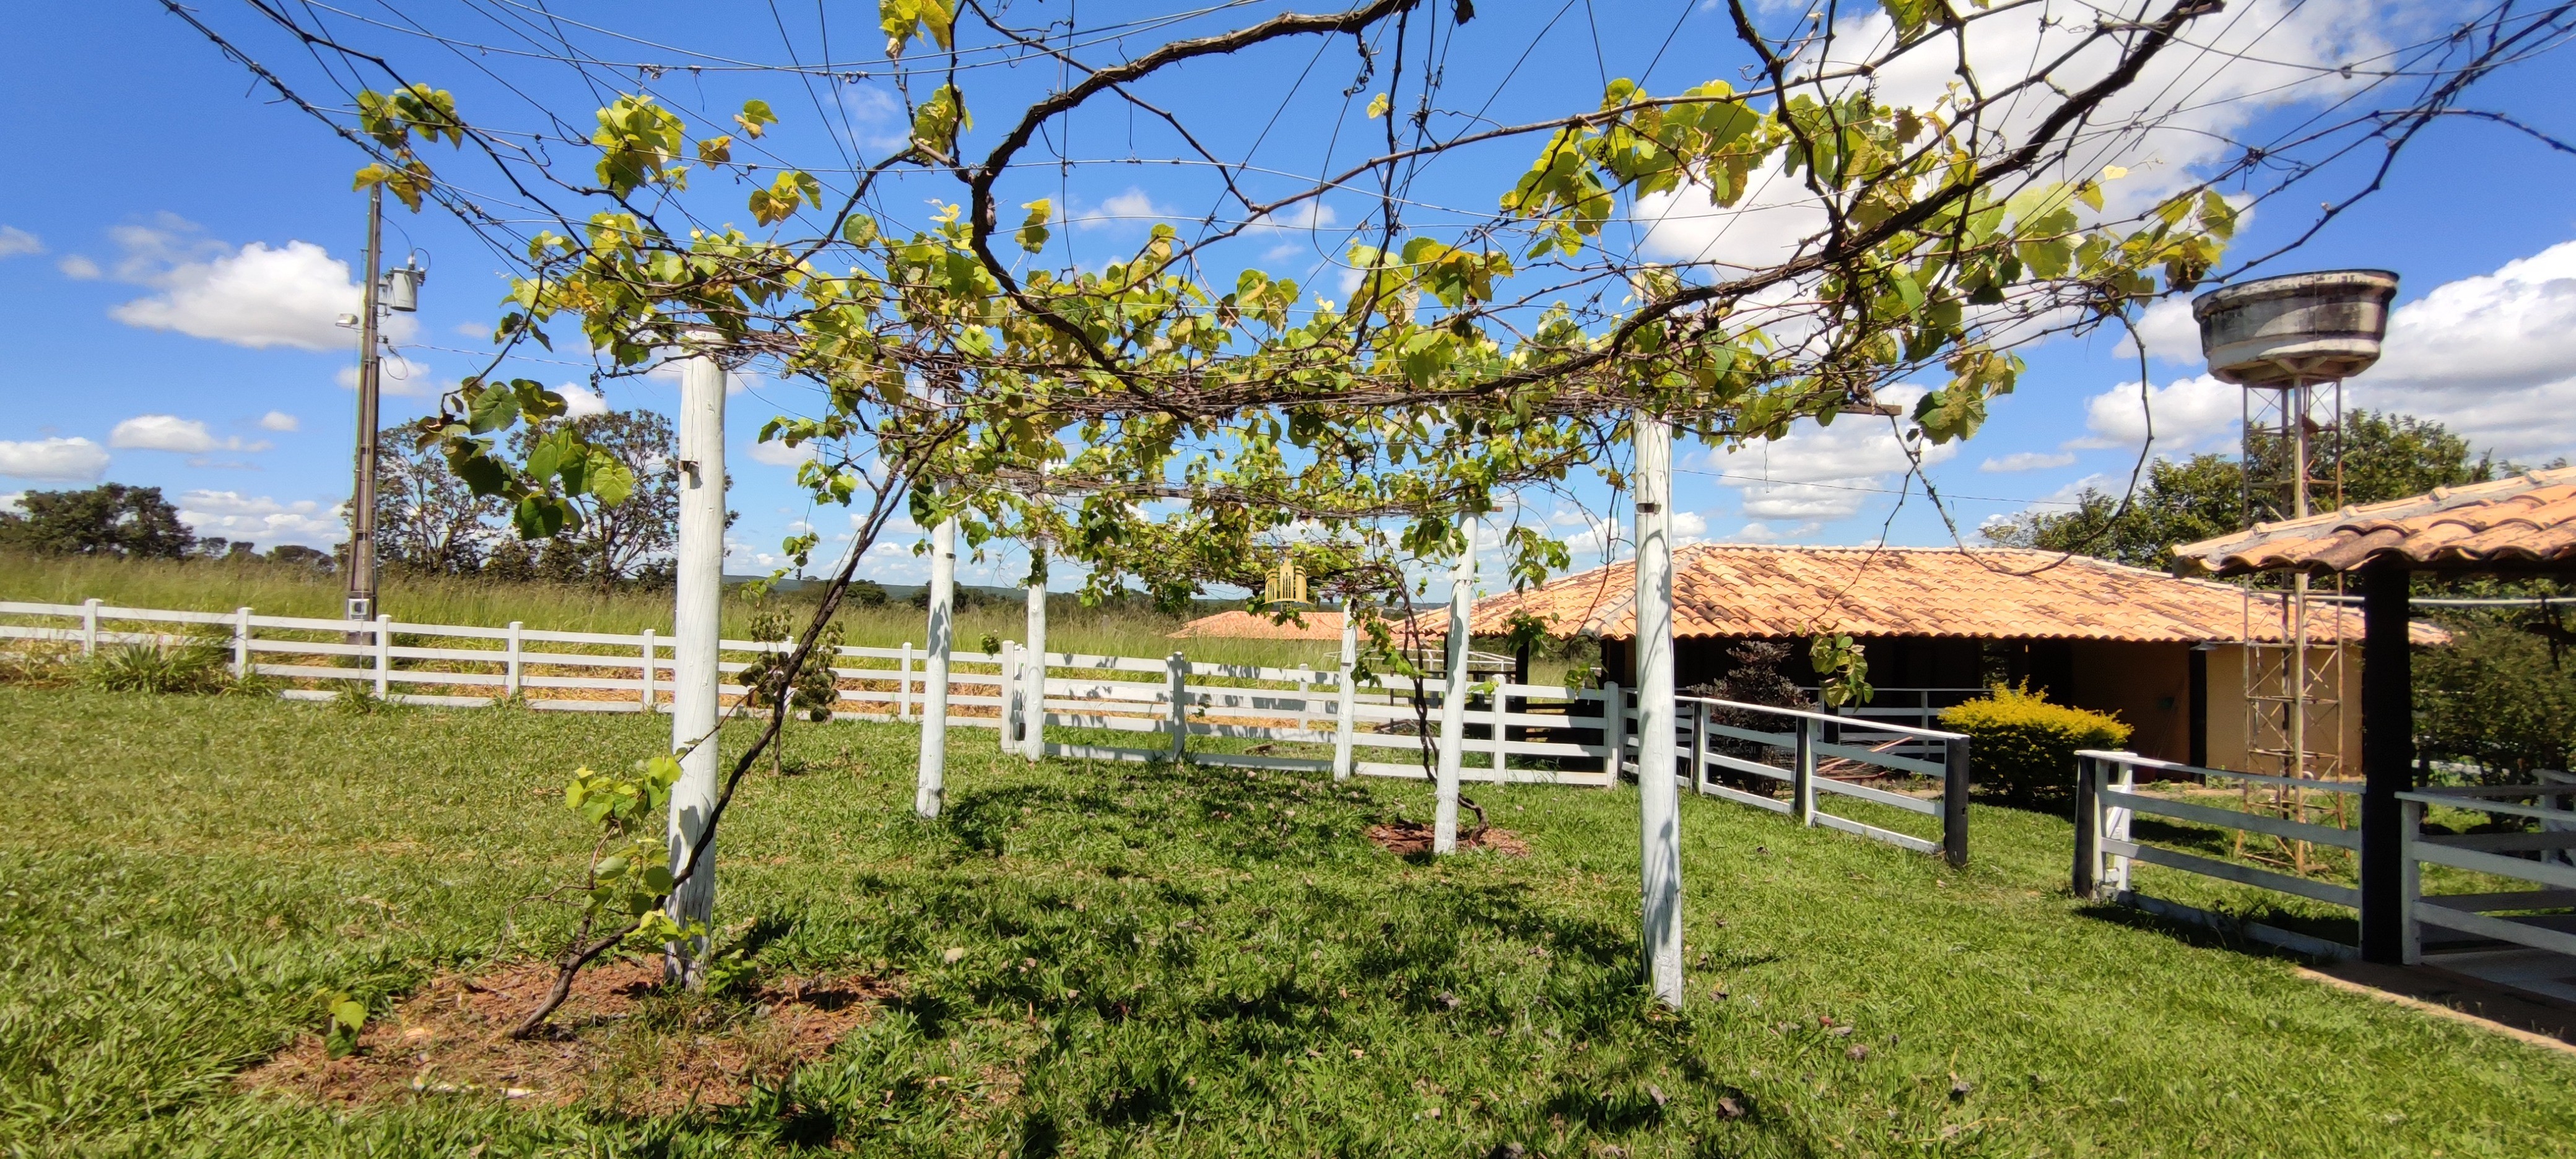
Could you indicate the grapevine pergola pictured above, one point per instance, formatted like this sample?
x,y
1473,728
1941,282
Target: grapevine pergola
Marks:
x,y
1967,177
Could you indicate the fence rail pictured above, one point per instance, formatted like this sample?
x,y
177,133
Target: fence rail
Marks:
x,y
2106,847
1793,752
2494,854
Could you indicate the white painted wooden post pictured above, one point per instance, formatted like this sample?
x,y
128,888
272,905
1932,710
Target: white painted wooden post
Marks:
x,y
511,666
930,788
1802,773
1012,690
1177,668
2115,825
903,686
241,644
1034,669
89,627
384,655
1614,728
1453,698
649,697
696,659
1348,703
1502,735
1659,805
1699,746
2410,880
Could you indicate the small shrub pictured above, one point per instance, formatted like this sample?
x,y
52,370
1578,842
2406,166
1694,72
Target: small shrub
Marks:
x,y
2023,748
191,666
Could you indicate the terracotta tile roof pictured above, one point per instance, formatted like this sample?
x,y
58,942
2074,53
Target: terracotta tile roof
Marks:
x,y
1242,625
1984,593
2525,522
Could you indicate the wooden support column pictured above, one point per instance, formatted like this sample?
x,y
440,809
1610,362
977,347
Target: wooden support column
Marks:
x,y
2387,758
1659,800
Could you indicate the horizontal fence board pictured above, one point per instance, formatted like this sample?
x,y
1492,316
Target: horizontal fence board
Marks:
x,y
2501,929
2231,819
634,642
2509,842
1741,797
1879,796
2478,903
1874,833
2135,761
2507,808
1865,756
454,630
2545,873
311,648
2327,892
1756,768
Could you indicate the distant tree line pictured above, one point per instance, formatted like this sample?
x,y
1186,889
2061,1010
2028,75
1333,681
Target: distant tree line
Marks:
x,y
427,519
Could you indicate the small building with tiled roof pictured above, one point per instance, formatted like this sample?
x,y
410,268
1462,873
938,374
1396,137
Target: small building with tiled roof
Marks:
x,y
1941,624
1242,625
2523,524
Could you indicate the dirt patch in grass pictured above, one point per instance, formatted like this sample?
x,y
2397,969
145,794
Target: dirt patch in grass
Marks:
x,y
1405,838
620,1039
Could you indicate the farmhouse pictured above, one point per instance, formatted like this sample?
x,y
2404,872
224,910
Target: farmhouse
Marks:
x,y
1942,625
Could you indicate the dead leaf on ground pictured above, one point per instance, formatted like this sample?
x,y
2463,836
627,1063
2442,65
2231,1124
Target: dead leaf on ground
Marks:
x,y
1406,838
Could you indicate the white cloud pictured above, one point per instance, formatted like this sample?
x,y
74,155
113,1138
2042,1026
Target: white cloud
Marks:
x,y
2171,333
1818,474
778,454
172,433
2024,461
1689,527
80,269
1132,205
1760,231
1299,218
396,377
581,402
2492,356
278,420
1766,533
2191,414
73,460
254,296
15,241
260,519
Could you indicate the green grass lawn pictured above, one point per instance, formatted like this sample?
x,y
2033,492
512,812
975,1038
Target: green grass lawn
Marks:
x,y
1224,965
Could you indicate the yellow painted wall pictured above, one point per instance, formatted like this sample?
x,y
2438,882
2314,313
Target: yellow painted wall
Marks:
x,y
2148,686
2227,722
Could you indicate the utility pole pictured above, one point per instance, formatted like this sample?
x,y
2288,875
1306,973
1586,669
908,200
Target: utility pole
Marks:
x,y
383,290
362,502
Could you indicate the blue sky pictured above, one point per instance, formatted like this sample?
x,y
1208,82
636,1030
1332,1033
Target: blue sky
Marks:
x,y
173,253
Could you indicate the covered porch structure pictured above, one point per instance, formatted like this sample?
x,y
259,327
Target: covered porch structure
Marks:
x,y
2523,526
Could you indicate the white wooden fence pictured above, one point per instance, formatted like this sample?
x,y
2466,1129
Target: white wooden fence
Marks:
x,y
2106,799
2475,914
460,666
1222,714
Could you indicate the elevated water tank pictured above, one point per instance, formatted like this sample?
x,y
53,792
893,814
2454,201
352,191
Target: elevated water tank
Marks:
x,y
2295,328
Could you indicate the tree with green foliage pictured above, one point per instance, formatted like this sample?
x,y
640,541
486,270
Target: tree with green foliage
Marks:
x,y
1178,416
109,519
2496,699
2385,456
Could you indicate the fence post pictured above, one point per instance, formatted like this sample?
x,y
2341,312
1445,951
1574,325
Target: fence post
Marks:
x,y
89,627
241,644
648,672
1177,667
2088,828
1614,729
1013,695
1502,738
1802,772
384,654
2410,880
903,686
1699,746
1954,803
511,672
2115,823
930,787
1343,725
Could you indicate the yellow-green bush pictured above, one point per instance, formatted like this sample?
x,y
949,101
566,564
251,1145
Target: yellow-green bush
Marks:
x,y
2023,748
